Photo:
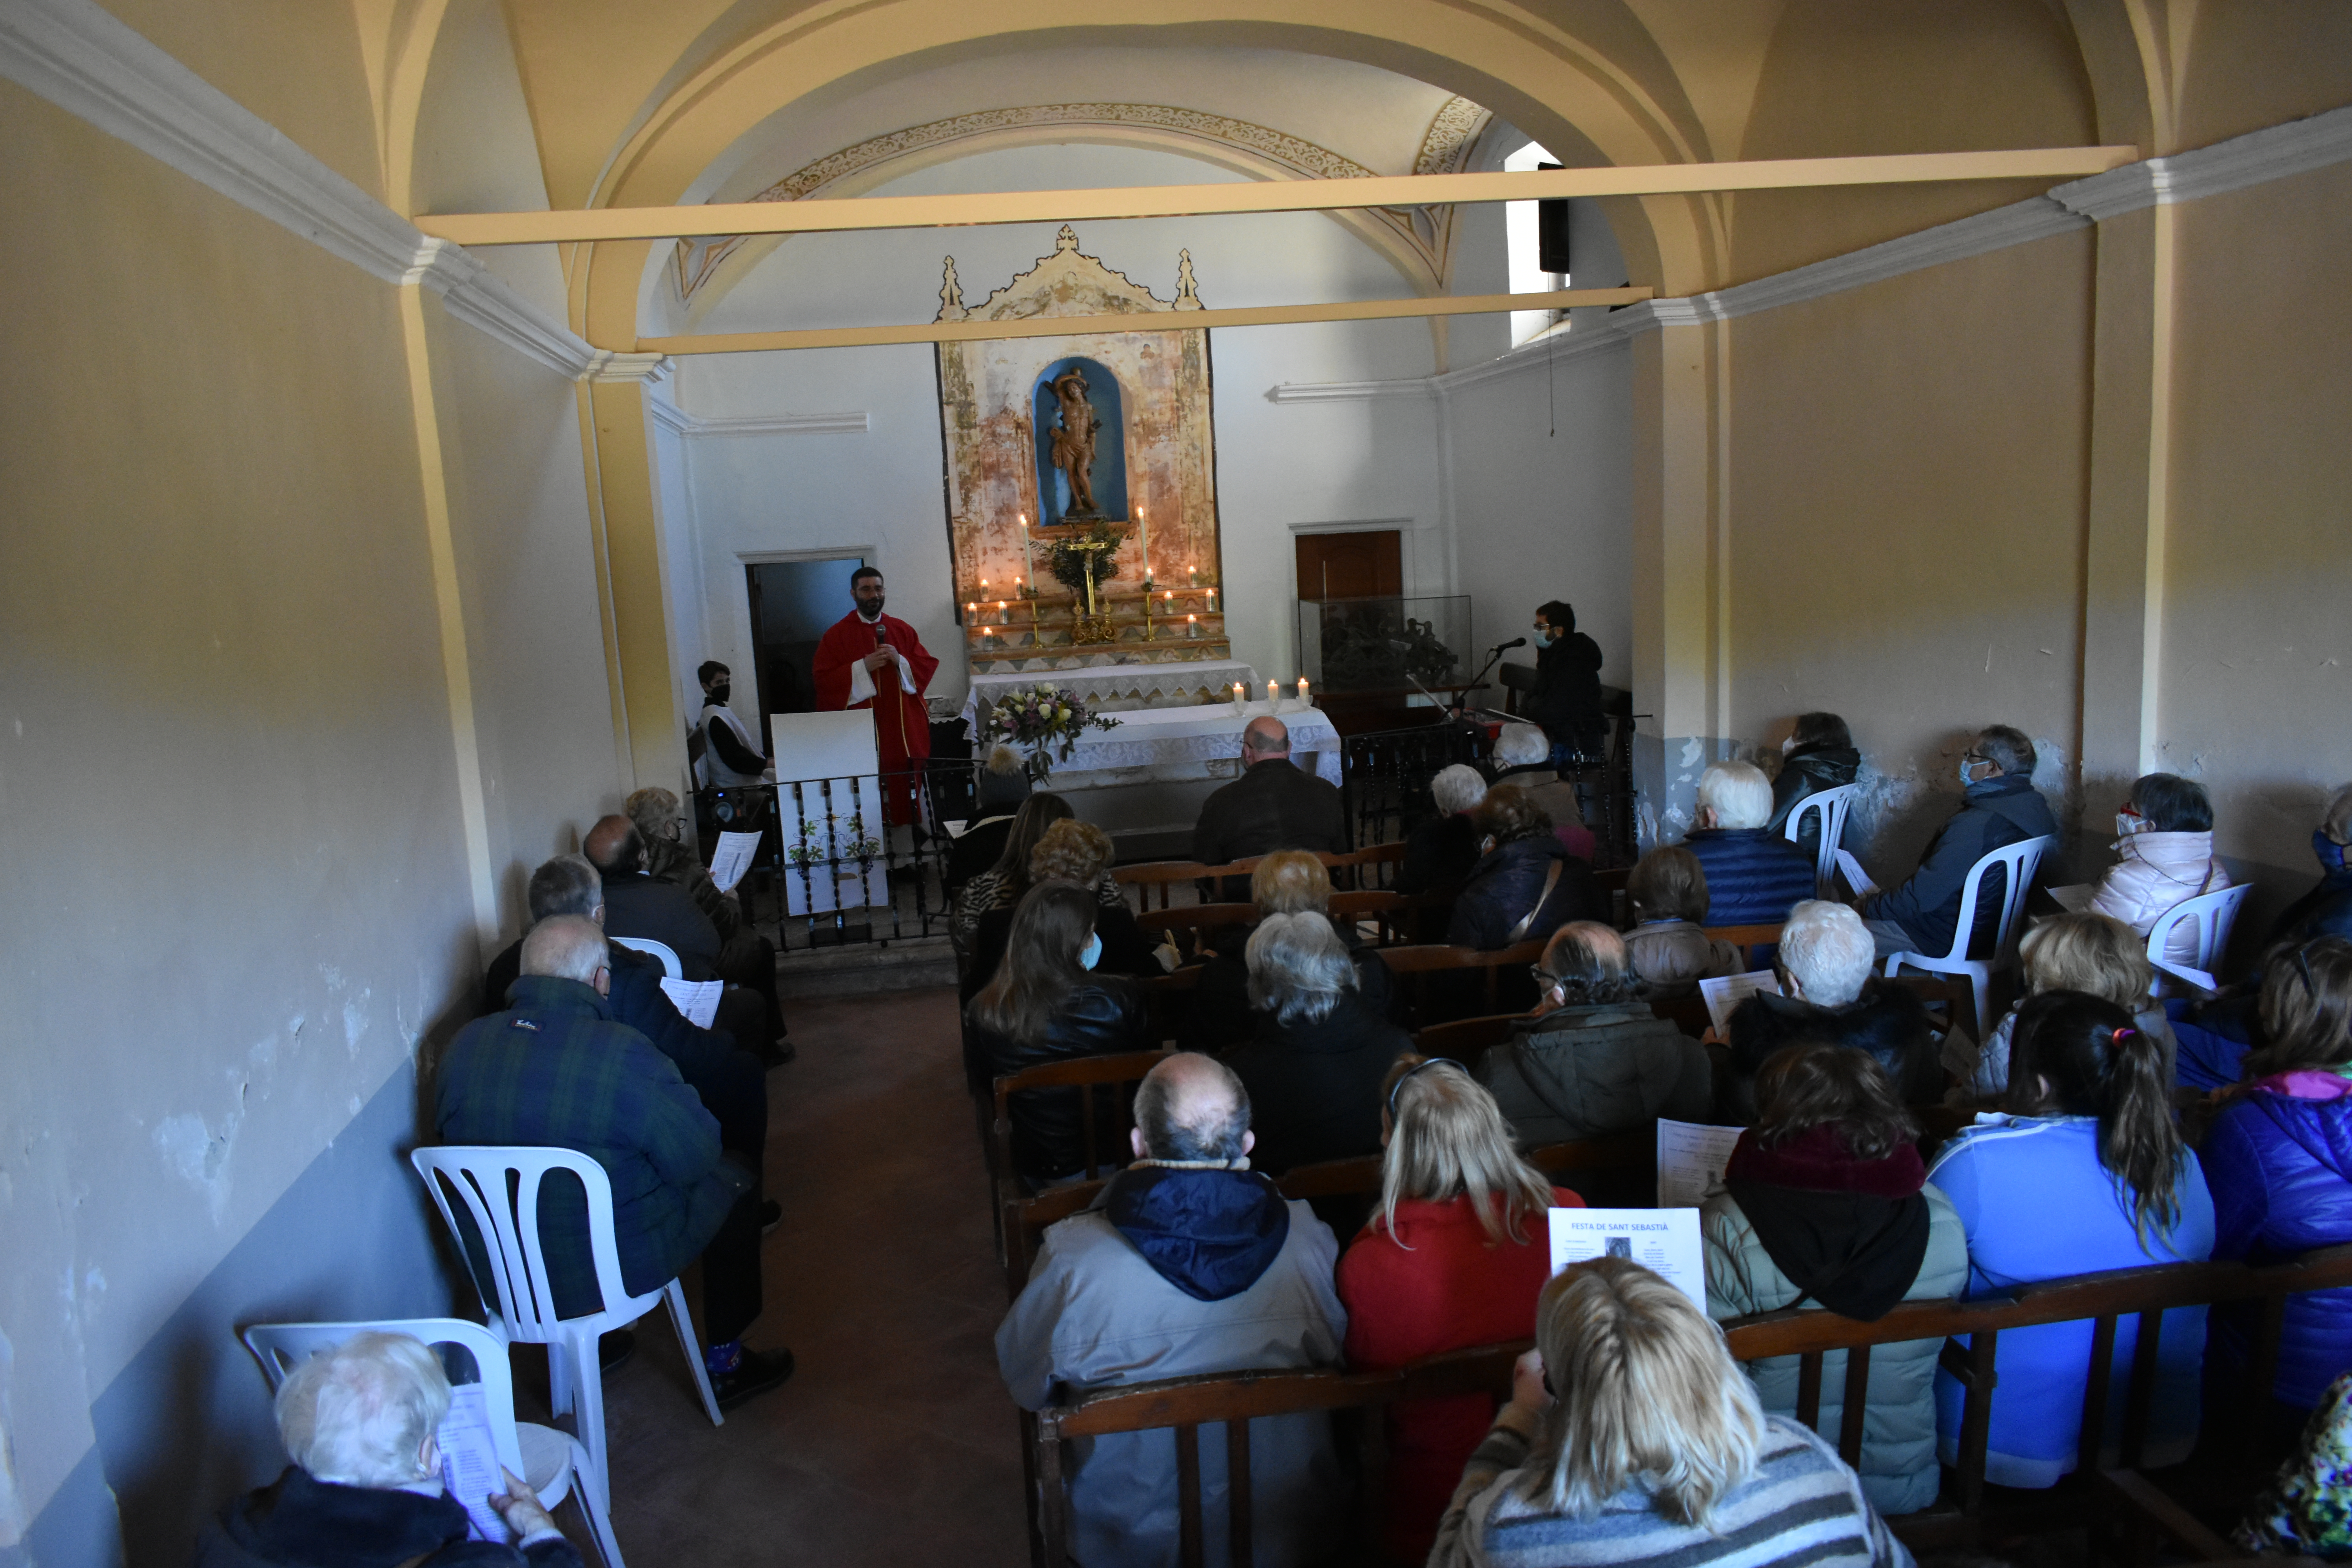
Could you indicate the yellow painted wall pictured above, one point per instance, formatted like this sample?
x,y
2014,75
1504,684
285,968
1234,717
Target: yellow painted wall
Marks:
x,y
1906,492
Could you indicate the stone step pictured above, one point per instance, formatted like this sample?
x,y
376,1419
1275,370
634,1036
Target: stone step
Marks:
x,y
903,964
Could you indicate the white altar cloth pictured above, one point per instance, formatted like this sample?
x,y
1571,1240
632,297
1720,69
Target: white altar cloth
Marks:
x,y
1166,739
1116,687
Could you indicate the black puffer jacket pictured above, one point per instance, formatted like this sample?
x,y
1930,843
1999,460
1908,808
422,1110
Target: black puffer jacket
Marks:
x,y
1809,770
1506,883
1101,1017
1887,1023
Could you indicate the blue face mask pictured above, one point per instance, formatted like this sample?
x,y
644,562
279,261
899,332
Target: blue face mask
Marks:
x,y
2330,853
1091,955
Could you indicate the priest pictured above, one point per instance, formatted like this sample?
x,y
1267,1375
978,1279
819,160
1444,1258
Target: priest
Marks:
x,y
871,660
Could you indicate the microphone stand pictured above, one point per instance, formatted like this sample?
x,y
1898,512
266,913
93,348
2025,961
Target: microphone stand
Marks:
x,y
1494,657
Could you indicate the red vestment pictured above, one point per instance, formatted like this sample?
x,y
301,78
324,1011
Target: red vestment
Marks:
x,y
902,725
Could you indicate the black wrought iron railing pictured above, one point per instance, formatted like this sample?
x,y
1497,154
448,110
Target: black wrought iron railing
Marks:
x,y
1385,774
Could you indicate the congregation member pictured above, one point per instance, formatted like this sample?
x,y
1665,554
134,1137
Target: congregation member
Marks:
x,y
1523,760
1275,804
1455,1257
364,1490
1077,853
1286,882
1188,1263
2085,1172
555,1069
635,905
1001,885
1818,755
876,662
2164,857
731,753
2306,1511
2100,956
730,1081
1565,701
1655,1451
1314,1065
2326,910
1826,1203
999,786
1525,885
1594,1059
1831,992
1999,807
1441,848
1753,875
2278,1159
1046,1004
1669,946
742,949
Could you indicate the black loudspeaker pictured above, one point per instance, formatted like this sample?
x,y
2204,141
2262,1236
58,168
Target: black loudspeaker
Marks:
x,y
1551,232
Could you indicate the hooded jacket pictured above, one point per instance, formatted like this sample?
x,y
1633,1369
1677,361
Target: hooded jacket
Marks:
x,y
300,1521
1887,1023
2279,1161
1672,956
1993,814
1587,1071
1754,876
1807,771
1101,1017
1566,698
1504,885
1176,1273
2152,873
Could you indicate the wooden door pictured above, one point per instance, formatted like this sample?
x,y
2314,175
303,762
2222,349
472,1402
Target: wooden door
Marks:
x,y
1366,565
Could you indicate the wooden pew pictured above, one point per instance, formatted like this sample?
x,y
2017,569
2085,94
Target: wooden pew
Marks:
x,y
1436,958
1351,866
1467,1039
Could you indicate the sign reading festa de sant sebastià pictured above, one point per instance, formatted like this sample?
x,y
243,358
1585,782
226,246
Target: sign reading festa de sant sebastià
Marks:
x,y
1665,1241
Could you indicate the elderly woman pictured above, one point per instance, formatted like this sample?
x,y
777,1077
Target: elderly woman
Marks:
x,y
1818,755
1525,884
2164,857
1444,848
1286,882
1044,1003
1523,755
365,1488
1827,1205
1830,993
1078,852
1753,875
1452,1258
1314,1067
1657,1452
1001,885
2278,1160
1594,1061
1671,953
2099,956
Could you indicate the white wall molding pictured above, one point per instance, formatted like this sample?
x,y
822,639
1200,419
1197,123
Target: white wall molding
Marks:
x,y
1348,391
79,57
693,426
1553,349
650,369
2274,152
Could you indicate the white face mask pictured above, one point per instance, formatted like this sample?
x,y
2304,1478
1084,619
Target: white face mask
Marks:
x,y
1968,778
2128,823
1091,955
1788,746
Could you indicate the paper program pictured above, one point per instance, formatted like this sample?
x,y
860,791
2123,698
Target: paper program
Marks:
x,y
1725,994
469,1461
1665,1241
732,859
1691,1158
698,999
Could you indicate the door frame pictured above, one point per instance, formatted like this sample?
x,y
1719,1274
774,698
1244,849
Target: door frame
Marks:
x,y
1405,527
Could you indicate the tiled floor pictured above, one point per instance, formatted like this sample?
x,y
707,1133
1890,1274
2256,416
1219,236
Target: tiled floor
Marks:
x,y
894,1443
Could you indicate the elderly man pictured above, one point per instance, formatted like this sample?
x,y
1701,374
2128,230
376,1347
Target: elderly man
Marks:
x,y
742,951
364,1489
1525,755
557,1070
1754,876
1272,805
1188,1263
1825,964
1444,848
638,905
1999,806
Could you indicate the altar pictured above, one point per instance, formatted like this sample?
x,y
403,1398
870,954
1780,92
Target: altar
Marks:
x,y
1111,686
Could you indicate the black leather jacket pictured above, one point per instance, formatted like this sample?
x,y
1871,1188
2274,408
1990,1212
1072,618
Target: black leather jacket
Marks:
x,y
1098,1018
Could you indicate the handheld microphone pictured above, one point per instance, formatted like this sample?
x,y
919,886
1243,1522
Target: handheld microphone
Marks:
x,y
1514,642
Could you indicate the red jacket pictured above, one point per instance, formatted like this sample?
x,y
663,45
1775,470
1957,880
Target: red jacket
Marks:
x,y
1455,1288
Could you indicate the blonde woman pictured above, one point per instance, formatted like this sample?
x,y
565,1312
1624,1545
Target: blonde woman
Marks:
x,y
1286,882
1658,1453
2093,954
1453,1258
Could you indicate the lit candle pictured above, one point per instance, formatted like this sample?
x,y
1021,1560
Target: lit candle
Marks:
x,y
988,631
1212,601
1143,546
971,609
1193,572
1302,691
1272,695
1028,563
1002,618
1237,694
1191,625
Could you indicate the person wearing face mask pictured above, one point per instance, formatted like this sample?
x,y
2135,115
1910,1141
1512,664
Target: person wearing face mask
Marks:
x,y
1046,1003
1818,755
731,756
1566,698
2327,909
1078,852
1999,806
868,659
2164,856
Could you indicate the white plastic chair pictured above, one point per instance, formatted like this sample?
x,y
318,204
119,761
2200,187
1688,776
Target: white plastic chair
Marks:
x,y
1829,807
2021,860
2213,914
661,950
483,1178
546,1458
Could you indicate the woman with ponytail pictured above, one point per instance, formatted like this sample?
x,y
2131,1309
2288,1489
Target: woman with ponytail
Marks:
x,y
2280,1159
2085,1172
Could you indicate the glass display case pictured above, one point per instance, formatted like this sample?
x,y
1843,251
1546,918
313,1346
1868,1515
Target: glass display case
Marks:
x,y
1389,645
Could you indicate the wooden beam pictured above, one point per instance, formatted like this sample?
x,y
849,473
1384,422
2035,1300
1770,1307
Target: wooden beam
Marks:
x,y
846,212
1139,322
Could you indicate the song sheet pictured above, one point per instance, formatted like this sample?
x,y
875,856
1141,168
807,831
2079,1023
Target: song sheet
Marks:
x,y
1725,994
469,1461
1691,1158
1665,1241
698,999
732,859
2075,897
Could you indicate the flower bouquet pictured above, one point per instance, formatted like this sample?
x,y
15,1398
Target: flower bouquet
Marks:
x,y
1043,721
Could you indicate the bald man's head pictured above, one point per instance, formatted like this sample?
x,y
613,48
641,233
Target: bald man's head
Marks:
x,y
1193,1107
614,845
567,947
1265,737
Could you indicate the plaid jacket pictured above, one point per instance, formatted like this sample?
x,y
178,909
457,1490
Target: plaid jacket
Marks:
x,y
554,1070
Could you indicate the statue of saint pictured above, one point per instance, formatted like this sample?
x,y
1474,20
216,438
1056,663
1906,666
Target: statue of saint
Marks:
x,y
1074,440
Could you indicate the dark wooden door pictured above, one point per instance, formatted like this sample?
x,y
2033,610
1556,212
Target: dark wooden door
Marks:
x,y
1364,565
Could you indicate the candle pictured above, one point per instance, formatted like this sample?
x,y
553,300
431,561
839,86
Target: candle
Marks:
x,y
1143,546
1302,691
1028,561
1212,601
1191,625
1193,573
971,609
1002,618
1237,694
1272,695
